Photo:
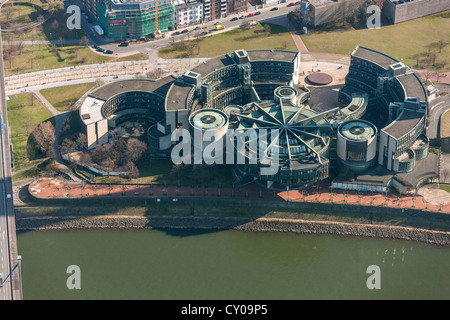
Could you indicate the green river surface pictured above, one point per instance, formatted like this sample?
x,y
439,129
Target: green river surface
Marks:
x,y
192,264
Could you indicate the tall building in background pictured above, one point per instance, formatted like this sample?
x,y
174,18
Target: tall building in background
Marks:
x,y
188,12
121,19
217,9
91,7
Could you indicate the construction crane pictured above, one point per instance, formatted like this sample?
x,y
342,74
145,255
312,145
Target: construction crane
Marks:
x,y
156,17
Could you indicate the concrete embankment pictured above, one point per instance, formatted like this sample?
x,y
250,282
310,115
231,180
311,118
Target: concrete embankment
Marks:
x,y
234,223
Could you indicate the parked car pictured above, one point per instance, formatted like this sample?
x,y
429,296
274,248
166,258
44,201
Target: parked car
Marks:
x,y
204,33
250,14
123,44
1,280
291,4
220,27
298,2
197,28
234,19
109,52
176,33
217,23
185,31
95,47
257,12
242,17
274,9
100,49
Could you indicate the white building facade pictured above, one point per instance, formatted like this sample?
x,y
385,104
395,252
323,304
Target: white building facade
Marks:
x,y
188,12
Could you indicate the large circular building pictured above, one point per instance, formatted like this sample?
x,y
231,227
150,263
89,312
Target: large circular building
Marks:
x,y
253,98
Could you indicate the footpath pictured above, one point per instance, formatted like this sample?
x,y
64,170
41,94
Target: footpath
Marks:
x,y
53,188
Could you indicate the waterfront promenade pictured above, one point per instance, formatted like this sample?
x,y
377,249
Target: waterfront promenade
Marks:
x,y
53,188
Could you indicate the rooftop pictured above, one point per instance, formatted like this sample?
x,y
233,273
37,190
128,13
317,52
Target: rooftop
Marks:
x,y
383,60
278,55
160,86
213,64
176,97
413,86
403,124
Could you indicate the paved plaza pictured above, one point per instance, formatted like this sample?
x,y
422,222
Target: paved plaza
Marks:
x,y
54,188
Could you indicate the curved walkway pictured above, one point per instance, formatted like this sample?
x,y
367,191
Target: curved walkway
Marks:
x,y
51,188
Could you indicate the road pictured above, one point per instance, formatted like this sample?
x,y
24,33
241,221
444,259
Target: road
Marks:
x,y
143,47
437,108
8,245
8,257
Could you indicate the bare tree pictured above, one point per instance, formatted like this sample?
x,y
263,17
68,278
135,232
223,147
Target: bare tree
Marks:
x,y
136,149
433,57
441,44
84,41
44,135
109,166
81,141
31,59
417,57
133,171
155,73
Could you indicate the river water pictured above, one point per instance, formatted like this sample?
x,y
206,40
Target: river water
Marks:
x,y
190,264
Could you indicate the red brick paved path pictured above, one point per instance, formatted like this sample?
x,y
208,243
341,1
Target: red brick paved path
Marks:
x,y
50,188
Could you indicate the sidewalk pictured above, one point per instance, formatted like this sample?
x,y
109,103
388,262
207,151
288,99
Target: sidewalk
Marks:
x,y
51,188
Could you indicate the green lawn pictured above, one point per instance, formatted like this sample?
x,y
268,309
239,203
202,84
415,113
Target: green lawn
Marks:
x,y
161,171
401,41
24,114
20,14
52,29
278,38
35,58
445,187
62,98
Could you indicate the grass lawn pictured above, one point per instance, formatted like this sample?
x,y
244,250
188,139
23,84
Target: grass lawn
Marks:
x,y
401,41
445,187
162,171
24,114
20,15
62,98
35,58
278,38
52,29
30,173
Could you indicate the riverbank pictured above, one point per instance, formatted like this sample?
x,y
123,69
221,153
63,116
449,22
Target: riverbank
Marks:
x,y
263,224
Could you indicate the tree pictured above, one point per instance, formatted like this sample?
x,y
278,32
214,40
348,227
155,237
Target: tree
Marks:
x,y
441,44
51,168
155,73
108,165
433,57
430,46
55,5
31,59
133,171
44,135
67,146
136,149
438,67
81,141
417,57
84,41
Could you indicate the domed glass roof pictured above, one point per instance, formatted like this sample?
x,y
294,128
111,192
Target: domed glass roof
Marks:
x,y
302,133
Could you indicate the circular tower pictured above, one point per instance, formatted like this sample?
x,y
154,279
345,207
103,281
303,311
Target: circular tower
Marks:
x,y
357,144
